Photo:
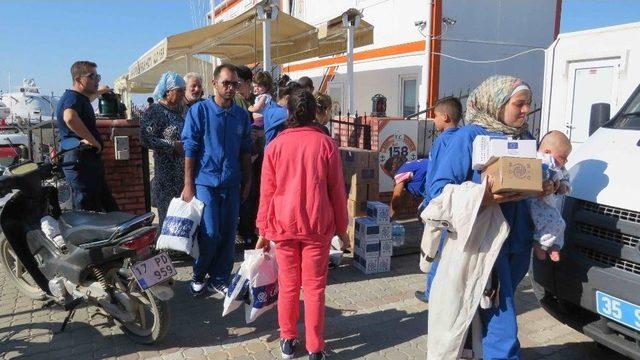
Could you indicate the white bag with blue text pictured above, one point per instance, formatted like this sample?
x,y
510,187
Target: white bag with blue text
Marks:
x,y
263,282
238,290
179,228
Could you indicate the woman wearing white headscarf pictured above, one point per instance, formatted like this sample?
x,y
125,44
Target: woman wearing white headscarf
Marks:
x,y
161,126
497,107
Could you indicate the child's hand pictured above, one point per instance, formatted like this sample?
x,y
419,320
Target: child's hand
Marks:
x,y
554,254
562,189
541,254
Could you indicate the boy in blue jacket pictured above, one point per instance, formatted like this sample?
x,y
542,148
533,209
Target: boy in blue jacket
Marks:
x,y
448,112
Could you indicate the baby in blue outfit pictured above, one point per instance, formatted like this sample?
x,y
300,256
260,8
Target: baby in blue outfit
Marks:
x,y
548,236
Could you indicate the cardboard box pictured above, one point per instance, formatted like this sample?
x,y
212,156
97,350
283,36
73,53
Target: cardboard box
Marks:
x,y
351,232
366,249
487,149
512,174
384,264
386,248
367,229
368,265
373,191
385,231
378,211
361,175
359,191
358,158
356,208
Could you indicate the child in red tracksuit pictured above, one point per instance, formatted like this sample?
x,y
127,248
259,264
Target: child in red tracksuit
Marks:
x,y
302,206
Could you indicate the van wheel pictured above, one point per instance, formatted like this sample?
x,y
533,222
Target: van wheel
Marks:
x,y
16,272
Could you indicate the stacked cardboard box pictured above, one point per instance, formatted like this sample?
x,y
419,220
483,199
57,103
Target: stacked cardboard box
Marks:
x,y
373,244
360,170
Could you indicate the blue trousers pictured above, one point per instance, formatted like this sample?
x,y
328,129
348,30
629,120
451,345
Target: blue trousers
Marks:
x,y
434,266
500,329
217,233
87,180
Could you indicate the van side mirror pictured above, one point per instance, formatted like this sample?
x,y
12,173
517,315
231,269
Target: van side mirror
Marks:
x,y
600,114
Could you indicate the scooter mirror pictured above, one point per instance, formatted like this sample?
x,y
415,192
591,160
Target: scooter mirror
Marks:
x,y
69,144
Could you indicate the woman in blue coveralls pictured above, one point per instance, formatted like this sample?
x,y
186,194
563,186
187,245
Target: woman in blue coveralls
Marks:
x,y
497,107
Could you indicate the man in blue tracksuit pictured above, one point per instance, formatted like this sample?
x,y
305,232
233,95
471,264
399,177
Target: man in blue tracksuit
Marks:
x,y
217,147
448,112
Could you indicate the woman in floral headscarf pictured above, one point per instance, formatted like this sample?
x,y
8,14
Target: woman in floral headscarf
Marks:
x,y
497,107
160,127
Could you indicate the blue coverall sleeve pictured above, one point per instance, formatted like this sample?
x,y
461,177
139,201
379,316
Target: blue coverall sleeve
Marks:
x,y
454,167
192,133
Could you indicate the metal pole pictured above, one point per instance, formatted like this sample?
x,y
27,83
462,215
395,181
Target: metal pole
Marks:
x,y
350,79
266,44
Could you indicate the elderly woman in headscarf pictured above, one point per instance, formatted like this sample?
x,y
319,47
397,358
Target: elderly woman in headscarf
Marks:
x,y
496,107
161,127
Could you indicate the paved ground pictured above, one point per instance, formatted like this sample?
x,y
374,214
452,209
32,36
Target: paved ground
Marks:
x,y
372,317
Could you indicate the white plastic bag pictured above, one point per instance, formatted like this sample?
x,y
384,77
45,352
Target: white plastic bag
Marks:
x,y
238,290
263,282
180,225
51,229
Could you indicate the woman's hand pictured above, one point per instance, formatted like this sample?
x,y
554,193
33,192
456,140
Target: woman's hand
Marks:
x,y
490,198
262,244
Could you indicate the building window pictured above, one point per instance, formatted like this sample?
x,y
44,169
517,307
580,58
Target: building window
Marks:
x,y
409,95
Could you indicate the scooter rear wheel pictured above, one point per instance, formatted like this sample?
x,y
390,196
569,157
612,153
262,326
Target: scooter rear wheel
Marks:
x,y
152,315
16,272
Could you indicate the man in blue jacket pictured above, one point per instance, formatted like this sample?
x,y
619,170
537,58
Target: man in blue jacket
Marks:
x,y
217,147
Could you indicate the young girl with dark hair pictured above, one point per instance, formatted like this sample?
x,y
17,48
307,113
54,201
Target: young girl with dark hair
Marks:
x,y
302,206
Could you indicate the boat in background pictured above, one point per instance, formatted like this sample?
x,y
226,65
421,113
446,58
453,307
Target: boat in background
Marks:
x,y
27,106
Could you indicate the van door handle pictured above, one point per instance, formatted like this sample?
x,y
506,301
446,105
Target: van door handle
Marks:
x,y
569,126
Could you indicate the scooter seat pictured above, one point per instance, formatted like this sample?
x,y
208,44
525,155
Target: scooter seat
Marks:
x,y
83,227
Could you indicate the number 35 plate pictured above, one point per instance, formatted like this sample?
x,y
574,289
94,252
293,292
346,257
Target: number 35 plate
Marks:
x,y
153,270
619,310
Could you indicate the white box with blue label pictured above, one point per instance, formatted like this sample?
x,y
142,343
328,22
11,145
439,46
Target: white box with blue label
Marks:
x,y
368,265
487,148
378,211
386,248
384,264
367,230
364,249
386,231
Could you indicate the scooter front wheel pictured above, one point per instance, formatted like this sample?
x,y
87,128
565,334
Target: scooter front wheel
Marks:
x,y
17,273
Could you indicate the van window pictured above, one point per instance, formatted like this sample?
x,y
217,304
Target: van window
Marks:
x,y
629,117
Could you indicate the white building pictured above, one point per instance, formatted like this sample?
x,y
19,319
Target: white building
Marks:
x,y
396,64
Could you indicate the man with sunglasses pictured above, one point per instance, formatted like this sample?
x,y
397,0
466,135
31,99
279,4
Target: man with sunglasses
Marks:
x,y
75,118
217,147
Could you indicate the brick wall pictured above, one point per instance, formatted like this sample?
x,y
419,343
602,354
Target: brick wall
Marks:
x,y
128,179
357,136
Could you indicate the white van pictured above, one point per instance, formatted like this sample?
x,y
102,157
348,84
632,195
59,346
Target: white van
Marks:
x,y
596,285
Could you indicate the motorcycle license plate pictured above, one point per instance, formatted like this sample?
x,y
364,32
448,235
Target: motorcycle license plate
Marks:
x,y
153,270
619,310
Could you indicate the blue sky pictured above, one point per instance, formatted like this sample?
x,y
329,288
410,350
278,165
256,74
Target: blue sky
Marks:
x,y
41,39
